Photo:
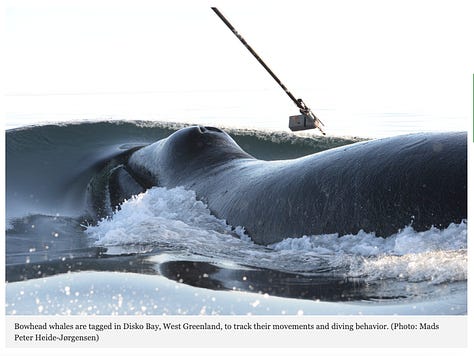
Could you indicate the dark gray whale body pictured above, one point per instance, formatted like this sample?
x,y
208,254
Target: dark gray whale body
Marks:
x,y
380,186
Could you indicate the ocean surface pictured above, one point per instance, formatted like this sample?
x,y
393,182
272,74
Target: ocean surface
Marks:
x,y
163,252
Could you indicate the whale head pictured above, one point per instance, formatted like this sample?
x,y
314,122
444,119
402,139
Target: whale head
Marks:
x,y
205,144
186,151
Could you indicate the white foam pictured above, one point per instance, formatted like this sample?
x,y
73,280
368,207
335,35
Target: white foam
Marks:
x,y
435,255
436,267
175,218
163,216
454,237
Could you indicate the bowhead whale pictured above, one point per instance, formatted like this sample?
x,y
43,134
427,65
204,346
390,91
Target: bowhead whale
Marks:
x,y
380,186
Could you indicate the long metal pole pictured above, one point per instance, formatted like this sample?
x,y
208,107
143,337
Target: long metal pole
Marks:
x,y
244,42
298,102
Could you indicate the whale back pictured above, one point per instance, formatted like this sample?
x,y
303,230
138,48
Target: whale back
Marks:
x,y
378,186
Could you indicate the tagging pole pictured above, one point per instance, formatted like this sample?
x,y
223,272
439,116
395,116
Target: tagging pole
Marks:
x,y
306,120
